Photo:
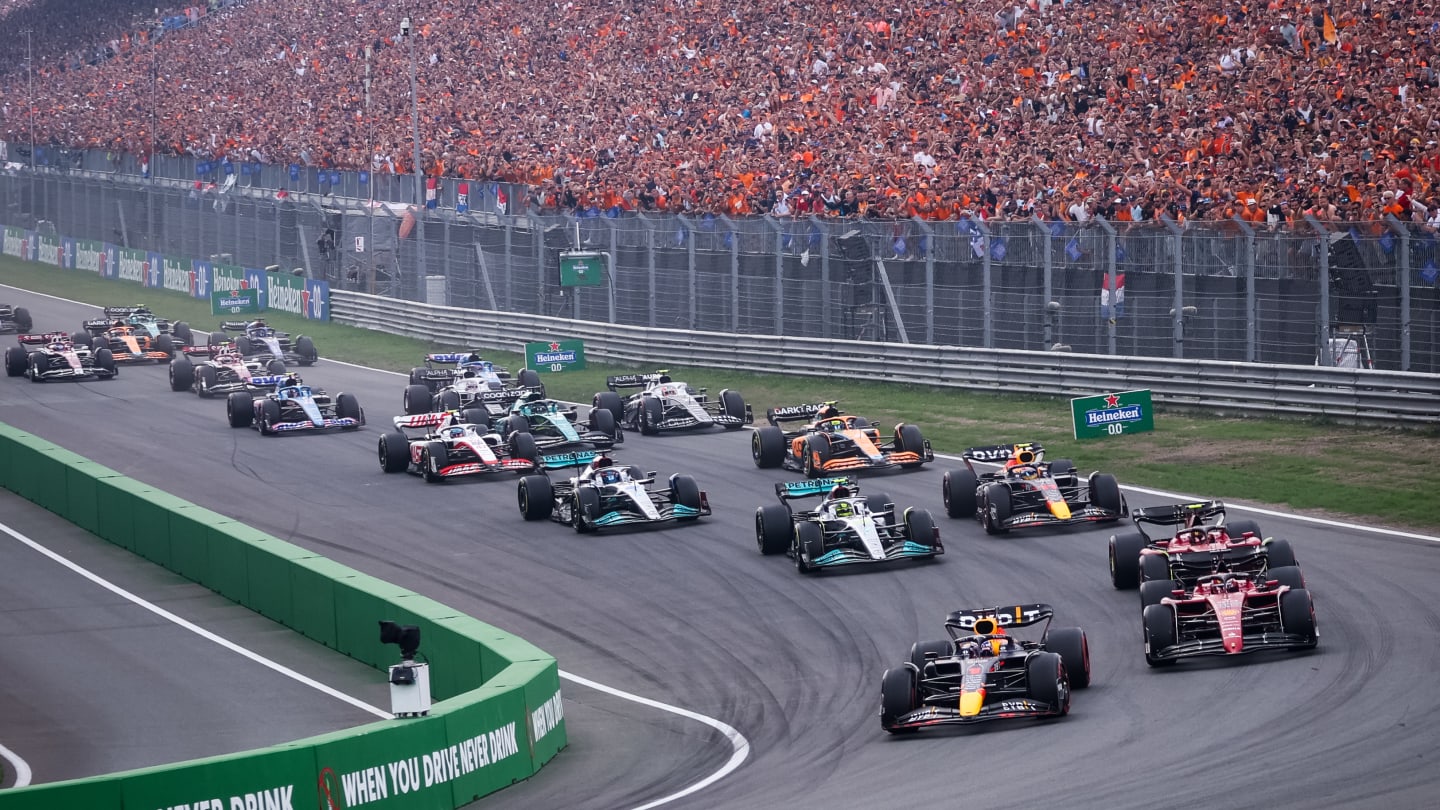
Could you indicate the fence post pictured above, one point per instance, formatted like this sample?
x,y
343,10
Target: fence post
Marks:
x,y
779,274
928,234
537,237
1110,271
1402,280
1248,257
1047,269
986,287
1323,350
1177,307
649,263
726,222
689,231
826,327
612,264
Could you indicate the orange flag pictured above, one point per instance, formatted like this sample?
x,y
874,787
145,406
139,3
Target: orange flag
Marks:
x,y
1328,30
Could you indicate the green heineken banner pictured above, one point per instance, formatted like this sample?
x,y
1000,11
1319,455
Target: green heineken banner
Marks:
x,y
582,269
555,356
1112,414
234,302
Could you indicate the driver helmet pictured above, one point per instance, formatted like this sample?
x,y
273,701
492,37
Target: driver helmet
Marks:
x,y
970,648
59,346
1215,534
1027,472
602,461
258,323
844,509
119,323
1232,584
609,475
1021,455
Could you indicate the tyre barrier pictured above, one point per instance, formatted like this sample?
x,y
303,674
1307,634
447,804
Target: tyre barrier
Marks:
x,y
497,716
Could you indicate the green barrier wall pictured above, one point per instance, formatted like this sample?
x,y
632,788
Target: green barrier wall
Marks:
x,y
498,715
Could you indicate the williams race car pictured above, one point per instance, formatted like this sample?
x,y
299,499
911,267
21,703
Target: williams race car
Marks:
x,y
1230,614
435,375
144,321
983,673
292,407
55,356
1028,491
665,404
258,339
15,319
222,370
1198,541
830,442
557,425
844,528
606,495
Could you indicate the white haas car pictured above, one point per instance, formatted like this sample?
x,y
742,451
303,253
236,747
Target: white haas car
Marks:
x,y
666,404
460,443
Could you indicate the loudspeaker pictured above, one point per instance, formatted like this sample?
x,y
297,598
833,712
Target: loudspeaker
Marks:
x,y
853,246
1347,267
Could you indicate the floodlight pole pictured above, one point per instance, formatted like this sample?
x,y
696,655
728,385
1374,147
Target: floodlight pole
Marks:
x,y
30,74
408,35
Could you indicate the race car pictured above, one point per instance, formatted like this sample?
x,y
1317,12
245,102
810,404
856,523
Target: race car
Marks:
x,y
1028,491
1198,541
256,339
470,365
1230,614
458,443
15,319
666,404
130,344
983,673
557,425
606,495
844,528
291,407
141,318
830,442
56,356
222,370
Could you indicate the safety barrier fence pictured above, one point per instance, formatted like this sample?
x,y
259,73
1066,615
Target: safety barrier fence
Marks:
x,y
1343,394
496,720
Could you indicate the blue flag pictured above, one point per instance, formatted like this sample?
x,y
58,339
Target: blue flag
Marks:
x,y
729,239
294,171
1387,243
1119,253
899,245
334,178
679,237
997,249
1057,229
364,178
1072,249
1429,273
815,236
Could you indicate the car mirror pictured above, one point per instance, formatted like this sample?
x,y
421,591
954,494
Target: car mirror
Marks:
x,y
650,474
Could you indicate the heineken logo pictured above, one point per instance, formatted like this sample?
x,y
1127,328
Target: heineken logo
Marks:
x,y
555,357
1129,413
1112,414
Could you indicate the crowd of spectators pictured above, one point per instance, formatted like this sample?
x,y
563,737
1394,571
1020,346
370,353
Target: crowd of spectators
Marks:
x,y
1202,109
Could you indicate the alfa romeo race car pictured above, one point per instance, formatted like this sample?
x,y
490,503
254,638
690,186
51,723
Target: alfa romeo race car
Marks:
x,y
1028,491
606,495
1230,614
291,407
435,376
844,528
258,339
222,370
666,404
983,673
55,356
130,344
141,318
1198,541
557,425
15,319
830,442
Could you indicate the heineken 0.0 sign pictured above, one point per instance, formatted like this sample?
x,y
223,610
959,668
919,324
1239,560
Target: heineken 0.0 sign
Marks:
x,y
1112,414
234,302
555,356
582,268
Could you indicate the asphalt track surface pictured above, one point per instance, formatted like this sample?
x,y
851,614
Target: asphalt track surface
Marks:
x,y
693,616
92,682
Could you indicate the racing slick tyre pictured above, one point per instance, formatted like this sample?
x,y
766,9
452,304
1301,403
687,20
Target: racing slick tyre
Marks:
x,y
817,455
996,508
1073,648
920,528
83,339
809,542
417,399
773,528
207,379
1160,633
515,423
522,446
244,346
305,347
587,505
528,378
1125,550
652,413
269,417
1154,566
897,698
166,344
922,651
417,377
879,502
684,492
15,361
1062,467
959,488
394,452
106,361
348,407
477,417
609,401
182,374
1287,575
446,401
1105,493
1237,529
433,459
603,421
182,333
38,364
275,367
240,409
1046,681
909,439
1153,590
536,497
767,446
732,404
23,322
216,338
1297,617
1278,553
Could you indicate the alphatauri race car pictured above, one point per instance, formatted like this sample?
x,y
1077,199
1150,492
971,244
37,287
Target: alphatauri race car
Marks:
x,y
664,404
606,495
1198,540
291,407
258,339
1028,491
830,442
1230,614
221,369
982,672
55,356
845,528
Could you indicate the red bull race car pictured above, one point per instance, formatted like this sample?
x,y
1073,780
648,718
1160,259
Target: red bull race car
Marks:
x,y
1028,491
830,442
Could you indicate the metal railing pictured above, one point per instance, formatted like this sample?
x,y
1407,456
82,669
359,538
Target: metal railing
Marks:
x,y
1342,394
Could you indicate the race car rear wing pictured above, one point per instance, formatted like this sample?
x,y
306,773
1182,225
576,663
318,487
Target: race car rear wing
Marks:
x,y
796,413
788,490
618,381
97,325
48,337
124,312
1186,514
1011,616
1000,453
267,380
424,420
